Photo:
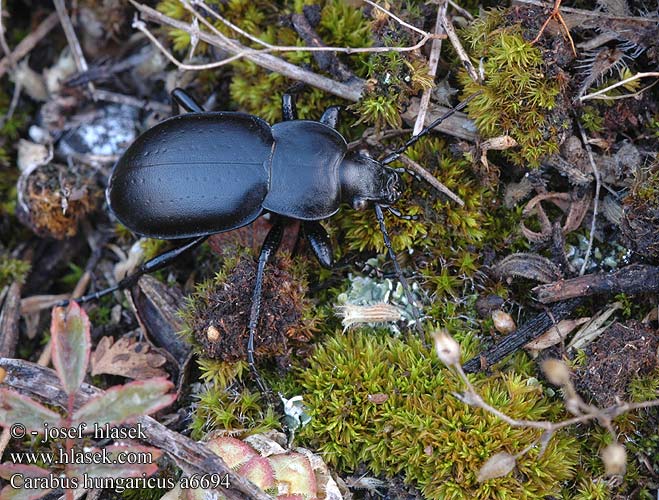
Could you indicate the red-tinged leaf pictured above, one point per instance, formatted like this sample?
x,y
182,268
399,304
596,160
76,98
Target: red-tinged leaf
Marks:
x,y
259,471
71,345
8,469
19,410
233,451
145,455
293,470
9,493
125,402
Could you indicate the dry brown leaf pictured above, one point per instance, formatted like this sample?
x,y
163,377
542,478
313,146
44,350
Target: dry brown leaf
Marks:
x,y
555,334
527,265
127,358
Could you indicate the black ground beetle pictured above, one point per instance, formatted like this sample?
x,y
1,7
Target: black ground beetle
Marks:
x,y
201,173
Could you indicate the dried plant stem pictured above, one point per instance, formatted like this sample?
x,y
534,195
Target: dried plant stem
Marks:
x,y
72,39
433,61
430,179
463,12
462,54
598,185
3,40
584,412
350,91
599,93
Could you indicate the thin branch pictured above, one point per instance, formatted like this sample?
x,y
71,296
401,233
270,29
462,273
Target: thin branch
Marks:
x,y
29,42
350,91
462,54
595,95
461,11
433,61
429,178
3,40
598,185
72,39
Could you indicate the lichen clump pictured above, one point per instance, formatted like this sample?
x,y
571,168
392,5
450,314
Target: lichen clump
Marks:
x,y
388,403
519,95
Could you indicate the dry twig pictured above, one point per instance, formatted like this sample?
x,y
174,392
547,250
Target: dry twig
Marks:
x,y
433,61
598,185
462,54
72,39
429,178
600,93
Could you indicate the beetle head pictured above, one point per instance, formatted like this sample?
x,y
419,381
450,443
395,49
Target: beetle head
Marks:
x,y
365,180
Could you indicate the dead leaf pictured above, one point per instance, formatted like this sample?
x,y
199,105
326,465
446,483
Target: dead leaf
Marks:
x,y
555,334
527,265
127,358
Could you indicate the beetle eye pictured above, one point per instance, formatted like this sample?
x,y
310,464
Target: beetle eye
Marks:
x,y
359,204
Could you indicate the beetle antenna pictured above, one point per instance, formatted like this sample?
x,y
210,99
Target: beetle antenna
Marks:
x,y
397,269
412,140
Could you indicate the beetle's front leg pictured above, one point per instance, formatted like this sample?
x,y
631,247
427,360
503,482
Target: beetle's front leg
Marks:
x,y
186,101
269,248
319,241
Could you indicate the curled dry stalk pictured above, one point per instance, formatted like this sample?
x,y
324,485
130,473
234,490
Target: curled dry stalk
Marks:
x,y
557,372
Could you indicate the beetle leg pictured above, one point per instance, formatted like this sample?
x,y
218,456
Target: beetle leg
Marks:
x,y
319,241
158,262
397,213
186,101
288,107
331,116
270,246
397,269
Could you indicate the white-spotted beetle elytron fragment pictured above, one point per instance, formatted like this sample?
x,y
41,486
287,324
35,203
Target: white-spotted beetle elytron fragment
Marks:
x,y
202,173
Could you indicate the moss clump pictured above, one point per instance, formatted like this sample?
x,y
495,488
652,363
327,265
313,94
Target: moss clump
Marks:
x,y
13,270
418,428
235,412
518,96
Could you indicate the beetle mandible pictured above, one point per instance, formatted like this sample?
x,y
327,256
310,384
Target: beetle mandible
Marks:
x,y
202,173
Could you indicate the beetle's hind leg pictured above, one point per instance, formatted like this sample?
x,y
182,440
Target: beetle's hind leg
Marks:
x,y
158,262
331,116
181,98
269,248
319,241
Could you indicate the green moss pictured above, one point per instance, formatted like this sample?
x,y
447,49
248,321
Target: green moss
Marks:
x,y
13,270
644,388
422,430
517,98
592,120
234,412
